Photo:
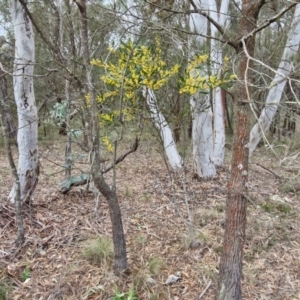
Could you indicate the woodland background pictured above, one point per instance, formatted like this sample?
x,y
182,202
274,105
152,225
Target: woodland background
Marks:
x,y
139,128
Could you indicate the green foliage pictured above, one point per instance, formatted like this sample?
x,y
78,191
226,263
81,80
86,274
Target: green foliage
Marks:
x,y
25,274
272,207
3,292
131,295
99,250
59,112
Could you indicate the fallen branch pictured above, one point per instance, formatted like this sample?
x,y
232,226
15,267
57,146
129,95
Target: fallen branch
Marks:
x,y
83,179
205,290
277,176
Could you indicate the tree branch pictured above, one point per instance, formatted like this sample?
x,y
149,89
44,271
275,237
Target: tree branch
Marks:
x,y
122,157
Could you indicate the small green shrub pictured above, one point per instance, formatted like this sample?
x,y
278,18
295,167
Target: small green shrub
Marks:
x,y
131,295
25,274
271,207
99,250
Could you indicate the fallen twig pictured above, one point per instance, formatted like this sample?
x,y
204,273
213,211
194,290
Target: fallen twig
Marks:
x,y
205,290
277,176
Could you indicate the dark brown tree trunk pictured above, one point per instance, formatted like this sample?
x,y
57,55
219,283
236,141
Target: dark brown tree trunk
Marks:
x,y
120,263
5,109
6,132
120,256
235,225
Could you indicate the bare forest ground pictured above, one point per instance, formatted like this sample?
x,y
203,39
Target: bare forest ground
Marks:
x,y
52,264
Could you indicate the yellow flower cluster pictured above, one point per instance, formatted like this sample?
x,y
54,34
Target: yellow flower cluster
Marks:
x,y
134,67
137,66
107,144
194,81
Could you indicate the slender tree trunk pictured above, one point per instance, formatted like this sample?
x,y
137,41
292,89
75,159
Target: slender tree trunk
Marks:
x,y
217,62
120,262
28,168
164,129
19,218
235,226
278,84
5,108
68,151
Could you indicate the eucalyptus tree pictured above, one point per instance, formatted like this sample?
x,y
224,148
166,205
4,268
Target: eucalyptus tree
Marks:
x,y
28,165
202,131
282,75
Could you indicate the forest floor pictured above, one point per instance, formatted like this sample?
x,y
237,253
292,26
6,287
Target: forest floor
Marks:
x,y
53,262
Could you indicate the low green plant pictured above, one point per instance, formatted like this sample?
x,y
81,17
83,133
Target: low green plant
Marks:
x,y
99,250
128,192
271,207
3,292
155,265
131,295
25,274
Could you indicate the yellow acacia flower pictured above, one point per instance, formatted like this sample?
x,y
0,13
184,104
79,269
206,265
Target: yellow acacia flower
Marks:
x,y
107,143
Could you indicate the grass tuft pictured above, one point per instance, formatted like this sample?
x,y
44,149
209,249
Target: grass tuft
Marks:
x,y
155,265
99,251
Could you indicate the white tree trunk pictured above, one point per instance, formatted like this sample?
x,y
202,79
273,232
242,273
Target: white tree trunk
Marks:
x,y
218,102
159,120
218,108
202,136
28,168
202,132
278,84
161,124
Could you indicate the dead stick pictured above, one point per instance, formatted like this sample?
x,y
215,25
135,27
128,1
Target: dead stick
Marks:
x,y
205,290
277,176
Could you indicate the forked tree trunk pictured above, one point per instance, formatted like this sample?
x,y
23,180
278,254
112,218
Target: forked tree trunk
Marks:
x,y
235,225
278,84
28,168
110,194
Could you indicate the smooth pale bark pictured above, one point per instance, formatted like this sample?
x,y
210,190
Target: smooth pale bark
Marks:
x,y
202,131
278,84
202,136
159,120
28,168
161,124
218,101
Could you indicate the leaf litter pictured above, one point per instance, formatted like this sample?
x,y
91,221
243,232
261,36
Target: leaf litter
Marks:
x,y
156,224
